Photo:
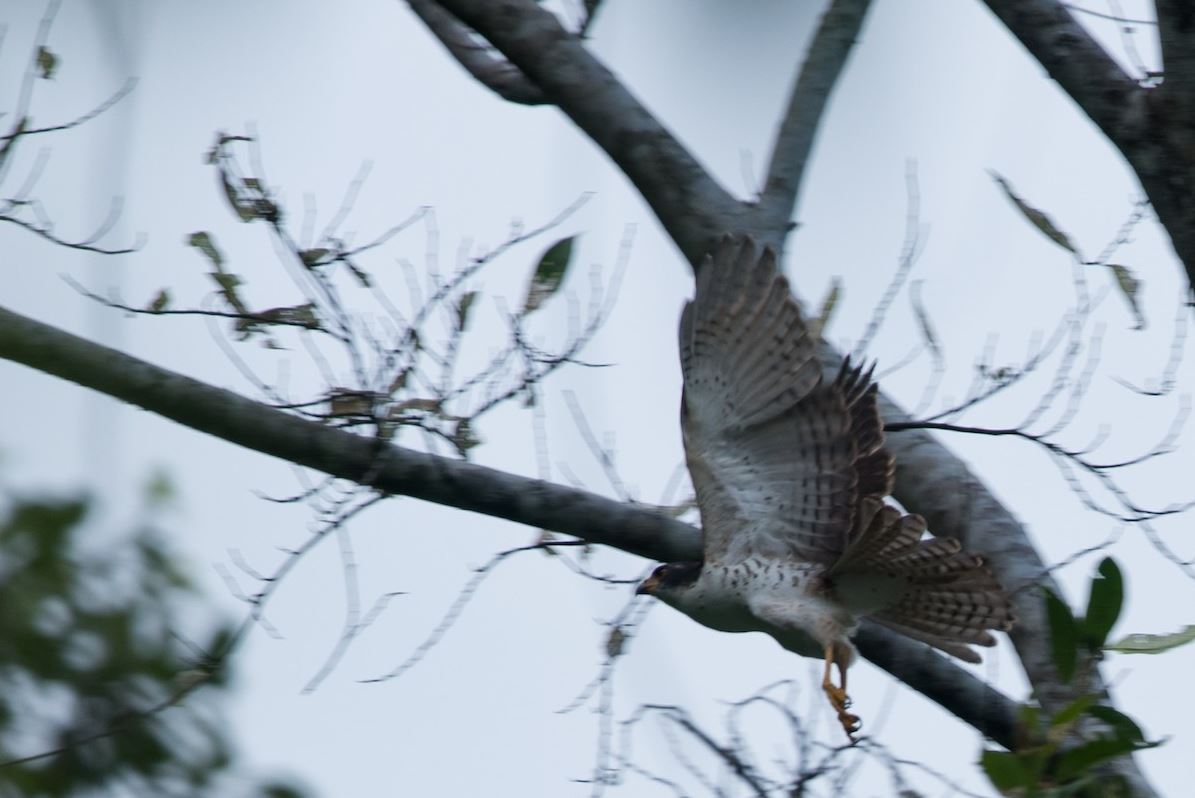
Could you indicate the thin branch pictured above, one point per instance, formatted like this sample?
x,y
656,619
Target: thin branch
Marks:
x,y
47,233
824,61
265,318
693,208
602,454
1164,384
124,91
1110,17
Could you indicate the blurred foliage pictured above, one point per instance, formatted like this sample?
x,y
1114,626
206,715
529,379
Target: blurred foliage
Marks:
x,y
1153,644
1063,754
94,665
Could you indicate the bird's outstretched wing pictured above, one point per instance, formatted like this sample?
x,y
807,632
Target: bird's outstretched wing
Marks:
x,y
779,457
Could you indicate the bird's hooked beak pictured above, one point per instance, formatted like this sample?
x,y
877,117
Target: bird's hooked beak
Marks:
x,y
648,586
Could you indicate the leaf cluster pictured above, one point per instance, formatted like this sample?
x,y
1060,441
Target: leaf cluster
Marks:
x,y
1054,764
92,663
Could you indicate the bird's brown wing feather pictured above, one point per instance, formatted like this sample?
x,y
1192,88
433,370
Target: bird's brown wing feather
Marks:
x,y
779,458
787,465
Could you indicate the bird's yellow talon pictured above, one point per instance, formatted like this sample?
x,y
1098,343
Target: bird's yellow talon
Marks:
x,y
838,697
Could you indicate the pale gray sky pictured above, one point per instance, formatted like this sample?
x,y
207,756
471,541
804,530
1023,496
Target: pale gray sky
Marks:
x,y
327,86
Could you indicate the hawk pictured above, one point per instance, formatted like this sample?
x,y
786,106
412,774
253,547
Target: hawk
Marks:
x,y
790,474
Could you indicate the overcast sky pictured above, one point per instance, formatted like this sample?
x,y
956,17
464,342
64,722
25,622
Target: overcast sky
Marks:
x,y
329,86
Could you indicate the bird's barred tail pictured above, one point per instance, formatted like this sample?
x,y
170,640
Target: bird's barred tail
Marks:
x,y
951,601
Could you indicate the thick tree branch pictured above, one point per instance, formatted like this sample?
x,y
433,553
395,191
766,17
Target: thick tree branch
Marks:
x,y
498,74
1153,128
1176,35
693,208
1076,61
400,471
827,56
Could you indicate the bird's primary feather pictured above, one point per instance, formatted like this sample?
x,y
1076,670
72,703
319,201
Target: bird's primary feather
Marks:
x,y
790,476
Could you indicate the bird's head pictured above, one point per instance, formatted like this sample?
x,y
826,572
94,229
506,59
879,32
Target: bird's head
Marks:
x,y
670,581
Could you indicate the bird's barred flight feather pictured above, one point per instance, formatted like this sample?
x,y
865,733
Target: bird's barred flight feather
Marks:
x,y
790,472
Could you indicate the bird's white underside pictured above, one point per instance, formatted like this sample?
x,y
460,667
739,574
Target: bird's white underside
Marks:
x,y
785,599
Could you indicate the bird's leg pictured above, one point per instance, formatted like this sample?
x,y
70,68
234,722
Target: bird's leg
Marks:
x,y
837,694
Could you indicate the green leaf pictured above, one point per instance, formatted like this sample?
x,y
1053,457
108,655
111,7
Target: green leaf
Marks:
x,y
1079,760
1035,217
1153,644
227,281
303,315
47,63
161,301
1122,725
1064,636
1006,770
549,274
203,242
159,489
1030,715
1129,285
313,257
462,309
245,210
1071,712
1103,604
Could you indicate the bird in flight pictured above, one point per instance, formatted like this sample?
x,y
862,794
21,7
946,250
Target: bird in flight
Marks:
x,y
790,474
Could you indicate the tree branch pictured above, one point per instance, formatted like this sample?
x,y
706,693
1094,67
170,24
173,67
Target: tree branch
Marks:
x,y
454,483
693,208
1075,60
1176,35
1154,128
496,73
823,64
